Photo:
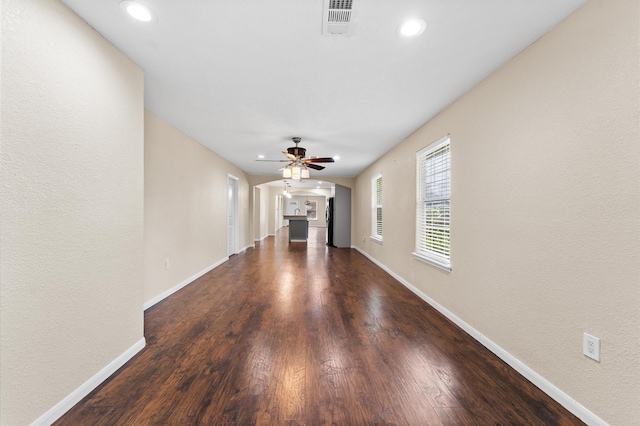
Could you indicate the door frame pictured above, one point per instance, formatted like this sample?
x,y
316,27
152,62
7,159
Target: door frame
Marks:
x,y
278,213
233,232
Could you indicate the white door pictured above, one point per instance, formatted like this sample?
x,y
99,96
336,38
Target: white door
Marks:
x,y
232,216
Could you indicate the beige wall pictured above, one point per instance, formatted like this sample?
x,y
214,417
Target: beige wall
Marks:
x,y
273,224
321,203
72,207
261,212
185,208
256,212
545,208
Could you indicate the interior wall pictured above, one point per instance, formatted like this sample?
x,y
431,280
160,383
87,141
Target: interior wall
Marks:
x,y
261,212
71,216
321,207
264,213
185,208
274,224
545,203
257,212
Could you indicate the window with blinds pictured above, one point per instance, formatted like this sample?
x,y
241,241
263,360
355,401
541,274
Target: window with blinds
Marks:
x,y
433,209
376,207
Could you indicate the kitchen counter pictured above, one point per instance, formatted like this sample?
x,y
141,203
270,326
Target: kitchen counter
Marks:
x,y
298,227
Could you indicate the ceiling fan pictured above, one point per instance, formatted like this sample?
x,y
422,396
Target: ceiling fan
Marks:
x,y
298,167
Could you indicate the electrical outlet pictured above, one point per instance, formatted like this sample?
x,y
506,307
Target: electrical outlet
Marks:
x,y
166,264
591,346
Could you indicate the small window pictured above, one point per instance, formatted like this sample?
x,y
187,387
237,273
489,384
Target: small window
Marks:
x,y
433,207
376,207
312,209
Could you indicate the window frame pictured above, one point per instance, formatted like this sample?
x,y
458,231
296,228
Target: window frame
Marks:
x,y
427,235
375,207
311,210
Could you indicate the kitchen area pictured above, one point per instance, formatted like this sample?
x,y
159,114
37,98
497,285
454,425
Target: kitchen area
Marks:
x,y
337,216
298,208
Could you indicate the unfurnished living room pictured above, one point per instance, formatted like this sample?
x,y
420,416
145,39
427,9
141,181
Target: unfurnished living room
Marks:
x,y
320,212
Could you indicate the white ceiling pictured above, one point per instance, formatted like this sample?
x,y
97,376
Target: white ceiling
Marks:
x,y
300,185
242,77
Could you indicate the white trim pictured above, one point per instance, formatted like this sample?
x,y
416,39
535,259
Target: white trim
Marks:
x,y
432,261
543,384
243,249
184,283
375,239
374,208
435,145
439,257
233,207
74,397
260,239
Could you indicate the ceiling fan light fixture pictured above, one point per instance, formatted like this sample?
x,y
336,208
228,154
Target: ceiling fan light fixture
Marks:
x,y
295,173
286,173
305,173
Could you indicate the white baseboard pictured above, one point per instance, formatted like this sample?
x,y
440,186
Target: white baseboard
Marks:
x,y
260,239
177,287
74,397
547,387
245,248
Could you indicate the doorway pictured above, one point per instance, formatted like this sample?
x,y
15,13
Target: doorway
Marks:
x,y
232,215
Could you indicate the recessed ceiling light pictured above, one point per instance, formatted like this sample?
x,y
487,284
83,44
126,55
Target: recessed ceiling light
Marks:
x,y
336,157
260,156
412,28
138,11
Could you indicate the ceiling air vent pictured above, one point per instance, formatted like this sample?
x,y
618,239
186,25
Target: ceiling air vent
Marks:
x,y
337,16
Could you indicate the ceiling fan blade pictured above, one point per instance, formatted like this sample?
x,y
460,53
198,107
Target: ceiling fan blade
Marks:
x,y
319,160
314,166
276,161
289,156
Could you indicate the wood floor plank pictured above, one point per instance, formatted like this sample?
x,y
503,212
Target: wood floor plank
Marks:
x,y
305,334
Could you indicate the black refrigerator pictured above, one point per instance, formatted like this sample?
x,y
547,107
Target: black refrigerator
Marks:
x,y
330,221
339,218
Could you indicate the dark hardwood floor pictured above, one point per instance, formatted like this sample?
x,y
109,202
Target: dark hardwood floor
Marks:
x,y
303,334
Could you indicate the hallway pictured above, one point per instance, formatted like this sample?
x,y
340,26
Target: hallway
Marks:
x,y
292,334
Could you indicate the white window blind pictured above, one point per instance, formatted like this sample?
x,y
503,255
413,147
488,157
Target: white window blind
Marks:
x,y
433,209
376,207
